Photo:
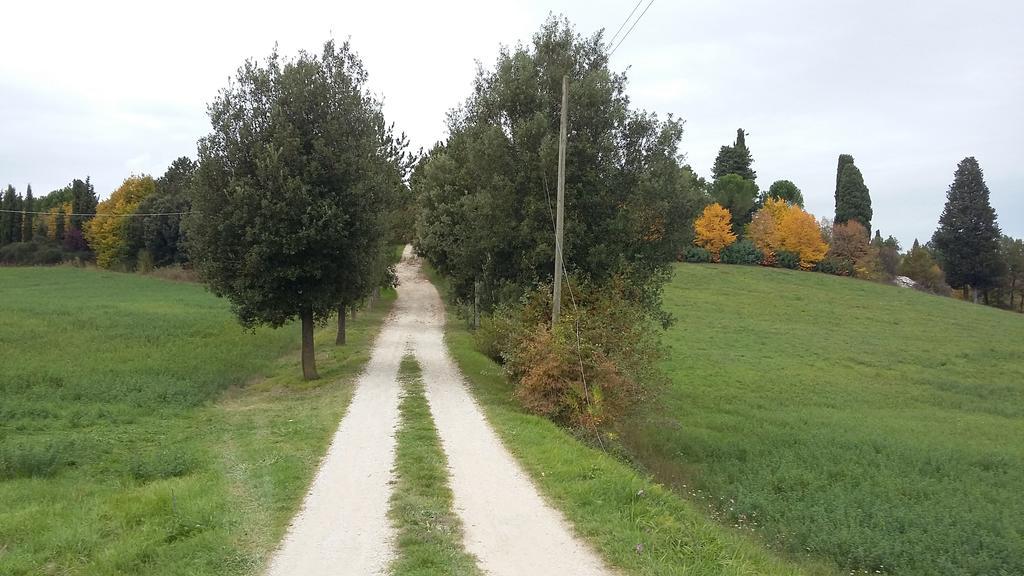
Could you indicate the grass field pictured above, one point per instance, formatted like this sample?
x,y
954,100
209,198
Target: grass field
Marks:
x,y
879,428
142,431
636,524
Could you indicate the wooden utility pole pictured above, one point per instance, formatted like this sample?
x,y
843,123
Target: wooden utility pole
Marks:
x,y
559,212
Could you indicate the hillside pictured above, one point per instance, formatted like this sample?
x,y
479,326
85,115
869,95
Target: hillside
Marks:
x,y
876,427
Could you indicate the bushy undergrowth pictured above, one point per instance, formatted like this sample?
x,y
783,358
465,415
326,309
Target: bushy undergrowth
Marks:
x,y
587,370
696,255
743,252
38,253
790,260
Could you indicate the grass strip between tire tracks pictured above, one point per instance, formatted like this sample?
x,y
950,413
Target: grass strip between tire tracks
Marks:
x,y
429,533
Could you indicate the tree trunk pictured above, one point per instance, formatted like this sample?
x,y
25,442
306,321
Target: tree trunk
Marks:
x,y
974,294
353,313
340,339
308,353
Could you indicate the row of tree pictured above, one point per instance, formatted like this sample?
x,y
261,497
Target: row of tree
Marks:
x,y
59,216
289,211
967,252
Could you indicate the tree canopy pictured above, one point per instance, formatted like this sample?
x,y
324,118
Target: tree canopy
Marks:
x,y
737,195
486,195
107,234
735,159
853,200
162,236
288,202
967,239
786,191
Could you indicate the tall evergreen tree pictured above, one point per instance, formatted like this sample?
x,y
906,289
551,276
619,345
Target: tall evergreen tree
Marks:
x,y
853,200
844,160
735,159
19,205
27,218
7,216
967,239
83,202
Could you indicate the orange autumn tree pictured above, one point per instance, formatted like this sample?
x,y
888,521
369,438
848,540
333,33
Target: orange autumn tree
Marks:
x,y
713,230
799,233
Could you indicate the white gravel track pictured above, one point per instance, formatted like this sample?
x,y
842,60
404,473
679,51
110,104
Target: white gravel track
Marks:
x,y
343,527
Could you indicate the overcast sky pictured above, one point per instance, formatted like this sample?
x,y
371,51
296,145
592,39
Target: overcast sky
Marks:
x,y
909,88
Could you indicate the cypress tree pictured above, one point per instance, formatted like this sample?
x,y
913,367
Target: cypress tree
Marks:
x,y
968,237
844,159
17,220
735,159
27,217
853,200
7,216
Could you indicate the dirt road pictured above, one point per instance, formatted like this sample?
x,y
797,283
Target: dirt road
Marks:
x,y
343,527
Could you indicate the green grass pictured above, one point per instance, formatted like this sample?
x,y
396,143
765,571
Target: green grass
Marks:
x,y
142,431
429,534
874,427
639,526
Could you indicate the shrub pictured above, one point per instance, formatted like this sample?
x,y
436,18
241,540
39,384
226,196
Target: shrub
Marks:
x,y
144,262
786,259
18,252
496,333
742,252
696,254
835,266
589,369
849,244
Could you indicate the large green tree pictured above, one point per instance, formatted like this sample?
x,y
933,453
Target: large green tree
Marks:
x,y
735,159
162,236
285,209
83,202
967,239
487,195
737,195
853,200
786,191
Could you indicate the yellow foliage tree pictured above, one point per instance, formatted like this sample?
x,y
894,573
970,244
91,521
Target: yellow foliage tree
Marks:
x,y
713,230
106,232
51,219
763,229
777,208
799,233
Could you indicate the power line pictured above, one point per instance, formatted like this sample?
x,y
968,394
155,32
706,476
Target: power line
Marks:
x,y
624,22
97,215
626,35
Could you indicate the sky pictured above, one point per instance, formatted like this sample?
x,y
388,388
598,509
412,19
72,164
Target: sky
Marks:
x,y
909,88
